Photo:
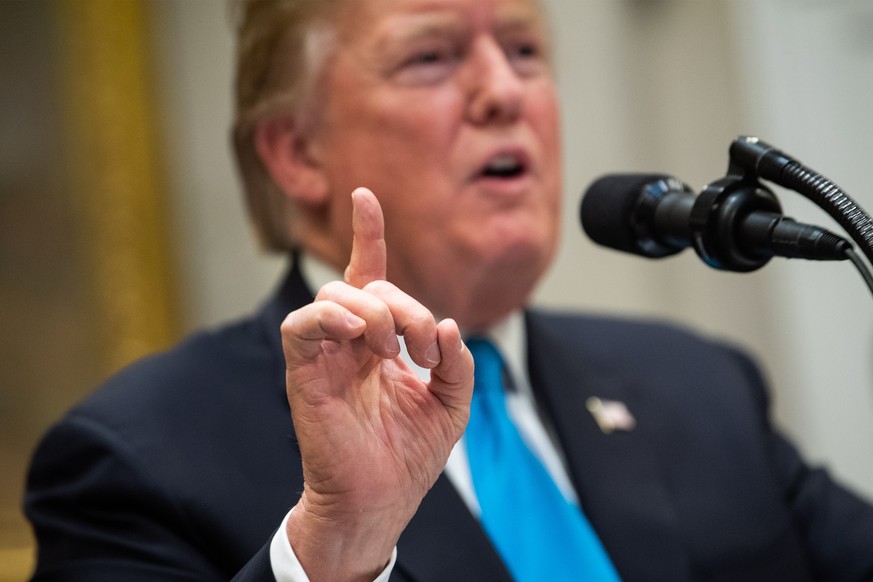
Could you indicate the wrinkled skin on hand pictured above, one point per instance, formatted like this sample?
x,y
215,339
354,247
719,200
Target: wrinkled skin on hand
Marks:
x,y
372,435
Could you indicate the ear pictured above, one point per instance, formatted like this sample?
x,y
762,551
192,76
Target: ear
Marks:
x,y
284,154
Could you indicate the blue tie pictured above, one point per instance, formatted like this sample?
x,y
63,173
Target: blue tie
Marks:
x,y
539,533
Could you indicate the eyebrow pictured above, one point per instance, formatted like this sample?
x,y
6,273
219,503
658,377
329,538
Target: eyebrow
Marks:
x,y
522,17
422,27
425,25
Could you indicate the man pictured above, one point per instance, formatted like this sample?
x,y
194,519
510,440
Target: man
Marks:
x,y
184,465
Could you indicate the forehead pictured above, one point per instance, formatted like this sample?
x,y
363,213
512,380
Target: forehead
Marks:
x,y
376,19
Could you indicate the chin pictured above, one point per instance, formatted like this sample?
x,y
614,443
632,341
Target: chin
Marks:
x,y
513,272
524,250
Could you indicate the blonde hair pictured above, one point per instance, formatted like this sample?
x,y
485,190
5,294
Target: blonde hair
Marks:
x,y
280,47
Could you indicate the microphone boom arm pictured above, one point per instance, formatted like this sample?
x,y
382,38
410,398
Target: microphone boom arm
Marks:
x,y
752,158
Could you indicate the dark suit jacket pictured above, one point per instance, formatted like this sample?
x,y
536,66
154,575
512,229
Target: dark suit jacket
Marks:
x,y
182,466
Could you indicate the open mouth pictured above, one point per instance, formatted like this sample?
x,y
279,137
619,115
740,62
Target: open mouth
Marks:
x,y
504,166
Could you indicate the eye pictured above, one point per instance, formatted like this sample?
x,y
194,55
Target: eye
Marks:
x,y
426,58
527,50
427,65
527,56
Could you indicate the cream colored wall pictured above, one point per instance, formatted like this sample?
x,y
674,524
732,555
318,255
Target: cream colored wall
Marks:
x,y
660,85
808,86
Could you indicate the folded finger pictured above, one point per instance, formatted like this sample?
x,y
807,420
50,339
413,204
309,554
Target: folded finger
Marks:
x,y
412,320
379,333
304,330
452,378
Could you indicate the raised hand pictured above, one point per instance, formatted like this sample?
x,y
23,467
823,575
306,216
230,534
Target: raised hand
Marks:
x,y
373,437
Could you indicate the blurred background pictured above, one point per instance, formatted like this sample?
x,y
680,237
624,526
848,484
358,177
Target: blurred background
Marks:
x,y
122,226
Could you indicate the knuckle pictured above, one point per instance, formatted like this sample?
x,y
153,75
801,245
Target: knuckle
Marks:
x,y
331,289
380,287
423,320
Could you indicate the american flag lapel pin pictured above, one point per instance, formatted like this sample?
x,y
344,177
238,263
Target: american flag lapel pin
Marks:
x,y
611,415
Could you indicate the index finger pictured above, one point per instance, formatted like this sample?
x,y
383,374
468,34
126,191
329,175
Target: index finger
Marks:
x,y
369,255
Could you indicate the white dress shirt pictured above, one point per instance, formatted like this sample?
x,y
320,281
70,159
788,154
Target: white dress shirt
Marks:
x,y
510,338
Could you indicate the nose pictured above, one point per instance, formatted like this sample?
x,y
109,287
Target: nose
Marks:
x,y
496,89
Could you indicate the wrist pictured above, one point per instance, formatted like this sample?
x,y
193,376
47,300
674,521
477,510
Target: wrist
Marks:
x,y
343,545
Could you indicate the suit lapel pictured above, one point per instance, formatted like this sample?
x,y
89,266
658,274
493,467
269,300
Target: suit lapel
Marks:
x,y
618,480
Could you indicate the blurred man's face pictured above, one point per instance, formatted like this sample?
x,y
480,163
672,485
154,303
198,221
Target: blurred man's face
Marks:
x,y
447,110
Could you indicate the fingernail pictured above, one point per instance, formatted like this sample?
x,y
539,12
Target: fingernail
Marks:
x,y
432,354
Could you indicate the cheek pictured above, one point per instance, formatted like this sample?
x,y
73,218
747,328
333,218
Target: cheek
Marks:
x,y
543,111
413,114
549,133
407,153
547,126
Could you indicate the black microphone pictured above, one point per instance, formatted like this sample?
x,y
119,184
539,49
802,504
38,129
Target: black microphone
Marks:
x,y
735,224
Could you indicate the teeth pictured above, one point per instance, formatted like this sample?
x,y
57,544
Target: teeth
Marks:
x,y
503,163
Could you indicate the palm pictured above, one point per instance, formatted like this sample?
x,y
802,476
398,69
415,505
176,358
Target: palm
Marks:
x,y
386,429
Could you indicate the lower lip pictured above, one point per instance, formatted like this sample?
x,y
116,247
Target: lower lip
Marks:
x,y
505,187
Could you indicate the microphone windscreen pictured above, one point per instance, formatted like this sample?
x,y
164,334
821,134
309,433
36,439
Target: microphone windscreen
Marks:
x,y
608,206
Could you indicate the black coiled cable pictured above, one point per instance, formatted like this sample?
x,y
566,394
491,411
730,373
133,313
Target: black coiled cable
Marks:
x,y
833,200
755,159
